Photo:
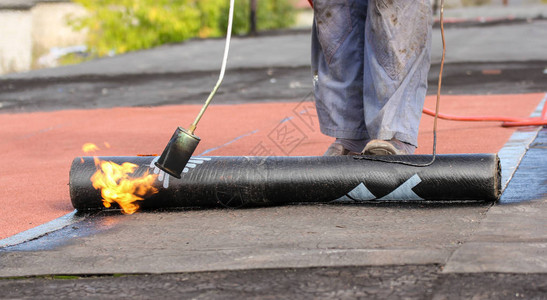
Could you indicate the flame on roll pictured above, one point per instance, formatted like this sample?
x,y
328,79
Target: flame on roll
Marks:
x,y
118,184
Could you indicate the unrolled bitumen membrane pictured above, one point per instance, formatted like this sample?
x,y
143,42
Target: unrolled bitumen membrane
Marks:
x,y
238,181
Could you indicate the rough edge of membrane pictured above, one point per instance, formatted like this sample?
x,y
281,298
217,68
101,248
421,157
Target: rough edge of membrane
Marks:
x,y
512,153
41,230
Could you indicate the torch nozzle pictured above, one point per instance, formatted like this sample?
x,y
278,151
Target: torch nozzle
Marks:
x,y
178,152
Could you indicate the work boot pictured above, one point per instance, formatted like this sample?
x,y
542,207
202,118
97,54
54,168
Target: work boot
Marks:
x,y
391,147
336,149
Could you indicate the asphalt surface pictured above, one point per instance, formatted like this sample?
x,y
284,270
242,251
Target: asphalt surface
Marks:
x,y
261,84
389,282
411,251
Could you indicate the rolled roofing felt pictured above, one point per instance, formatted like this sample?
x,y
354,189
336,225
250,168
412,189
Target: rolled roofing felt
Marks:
x,y
261,181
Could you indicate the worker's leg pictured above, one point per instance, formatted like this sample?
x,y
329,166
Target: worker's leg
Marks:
x,y
337,67
396,64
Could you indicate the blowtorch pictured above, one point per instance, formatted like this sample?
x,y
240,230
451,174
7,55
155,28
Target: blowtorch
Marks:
x,y
183,143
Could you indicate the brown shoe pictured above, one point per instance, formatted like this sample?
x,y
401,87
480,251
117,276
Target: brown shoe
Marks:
x,y
336,149
391,147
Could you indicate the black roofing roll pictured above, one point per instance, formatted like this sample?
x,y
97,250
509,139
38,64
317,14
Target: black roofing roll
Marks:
x,y
251,181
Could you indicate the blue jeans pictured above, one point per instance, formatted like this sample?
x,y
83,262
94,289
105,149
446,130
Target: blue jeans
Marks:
x,y
370,61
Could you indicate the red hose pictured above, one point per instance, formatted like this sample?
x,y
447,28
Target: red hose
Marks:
x,y
311,3
506,121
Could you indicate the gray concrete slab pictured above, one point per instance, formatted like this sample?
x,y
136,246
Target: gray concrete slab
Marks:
x,y
515,223
511,42
288,50
486,13
517,257
224,239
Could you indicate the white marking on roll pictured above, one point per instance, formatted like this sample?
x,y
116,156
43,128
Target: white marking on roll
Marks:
x,y
404,191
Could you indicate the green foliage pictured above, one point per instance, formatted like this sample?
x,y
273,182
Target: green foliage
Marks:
x,y
475,2
72,59
118,26
271,14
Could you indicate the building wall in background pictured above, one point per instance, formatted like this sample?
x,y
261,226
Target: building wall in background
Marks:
x,y
15,40
29,32
49,25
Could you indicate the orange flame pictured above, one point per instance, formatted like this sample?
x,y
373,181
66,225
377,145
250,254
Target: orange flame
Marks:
x,y
89,147
116,185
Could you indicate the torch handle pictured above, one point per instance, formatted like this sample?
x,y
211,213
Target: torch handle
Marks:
x,y
222,69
